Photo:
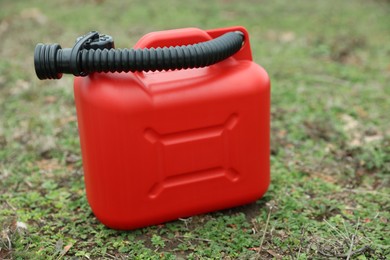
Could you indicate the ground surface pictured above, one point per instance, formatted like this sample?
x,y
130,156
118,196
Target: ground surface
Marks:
x,y
329,62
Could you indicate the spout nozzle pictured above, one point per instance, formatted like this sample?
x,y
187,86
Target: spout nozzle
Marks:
x,y
45,61
95,52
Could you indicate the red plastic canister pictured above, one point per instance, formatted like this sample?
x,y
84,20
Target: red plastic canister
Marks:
x,y
159,146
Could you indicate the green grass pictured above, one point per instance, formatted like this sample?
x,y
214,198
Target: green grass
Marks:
x,y
329,62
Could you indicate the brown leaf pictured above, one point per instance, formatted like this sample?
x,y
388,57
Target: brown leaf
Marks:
x,y
324,177
65,250
274,254
287,37
50,99
67,120
48,165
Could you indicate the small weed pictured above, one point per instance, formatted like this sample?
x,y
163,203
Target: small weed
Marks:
x,y
157,241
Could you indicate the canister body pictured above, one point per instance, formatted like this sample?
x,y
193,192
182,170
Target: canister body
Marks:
x,y
158,146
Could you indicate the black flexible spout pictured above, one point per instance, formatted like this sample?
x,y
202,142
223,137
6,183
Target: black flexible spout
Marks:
x,y
95,53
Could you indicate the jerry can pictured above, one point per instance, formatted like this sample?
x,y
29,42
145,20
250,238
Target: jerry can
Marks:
x,y
160,145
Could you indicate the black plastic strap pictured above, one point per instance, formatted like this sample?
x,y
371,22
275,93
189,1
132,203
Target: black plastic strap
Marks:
x,y
74,64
